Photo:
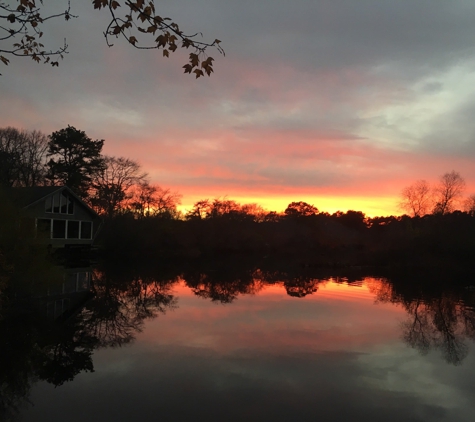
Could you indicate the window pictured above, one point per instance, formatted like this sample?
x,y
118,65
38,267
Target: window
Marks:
x,y
73,229
59,229
86,230
67,204
60,203
56,200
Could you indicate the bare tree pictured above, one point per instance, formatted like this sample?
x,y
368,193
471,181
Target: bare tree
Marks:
x,y
469,204
150,201
416,199
112,186
448,192
22,157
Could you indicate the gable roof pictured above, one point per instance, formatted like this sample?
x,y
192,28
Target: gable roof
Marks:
x,y
27,197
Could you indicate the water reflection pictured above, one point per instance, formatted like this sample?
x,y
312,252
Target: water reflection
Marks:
x,y
52,336
121,303
51,331
437,319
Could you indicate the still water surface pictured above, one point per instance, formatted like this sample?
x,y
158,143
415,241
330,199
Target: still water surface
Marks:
x,y
327,349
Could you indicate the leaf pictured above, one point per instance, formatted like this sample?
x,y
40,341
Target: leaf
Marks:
x,y
194,60
132,40
98,4
161,40
165,53
11,18
115,4
4,60
198,73
188,68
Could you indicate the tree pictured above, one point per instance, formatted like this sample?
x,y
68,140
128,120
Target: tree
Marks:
x,y
416,199
448,192
152,201
137,21
469,204
113,182
300,209
22,157
200,210
76,160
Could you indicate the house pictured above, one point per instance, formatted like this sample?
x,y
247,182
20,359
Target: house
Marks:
x,y
61,218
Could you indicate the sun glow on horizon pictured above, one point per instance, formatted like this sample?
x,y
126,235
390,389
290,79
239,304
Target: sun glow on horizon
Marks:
x,y
370,206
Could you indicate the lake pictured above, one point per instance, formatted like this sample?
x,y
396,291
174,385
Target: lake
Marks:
x,y
259,345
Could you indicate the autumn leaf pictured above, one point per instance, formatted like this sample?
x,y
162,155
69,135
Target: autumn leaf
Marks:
x,y
165,53
4,60
198,73
98,4
194,60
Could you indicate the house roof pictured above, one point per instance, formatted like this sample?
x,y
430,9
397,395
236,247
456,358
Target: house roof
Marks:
x,y
27,197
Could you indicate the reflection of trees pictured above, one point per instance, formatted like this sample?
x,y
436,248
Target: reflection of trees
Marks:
x,y
301,286
222,286
120,307
226,284
437,320
35,348
297,283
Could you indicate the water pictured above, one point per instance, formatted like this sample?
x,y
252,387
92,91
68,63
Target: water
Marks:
x,y
260,347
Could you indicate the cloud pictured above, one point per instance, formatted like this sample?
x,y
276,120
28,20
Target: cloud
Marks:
x,y
328,97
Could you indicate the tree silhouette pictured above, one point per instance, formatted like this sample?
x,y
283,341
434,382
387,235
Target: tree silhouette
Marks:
x,y
22,157
76,159
300,209
112,184
448,191
416,199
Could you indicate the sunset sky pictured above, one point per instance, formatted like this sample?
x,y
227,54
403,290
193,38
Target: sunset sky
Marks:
x,y
339,103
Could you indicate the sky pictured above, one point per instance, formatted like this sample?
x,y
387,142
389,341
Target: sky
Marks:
x,y
339,103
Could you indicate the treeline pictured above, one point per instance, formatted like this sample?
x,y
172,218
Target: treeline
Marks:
x,y
300,234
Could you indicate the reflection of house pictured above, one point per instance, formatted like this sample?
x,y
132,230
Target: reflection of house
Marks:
x,y
70,294
61,217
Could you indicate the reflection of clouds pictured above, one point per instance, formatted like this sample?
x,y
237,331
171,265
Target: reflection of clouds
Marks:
x,y
333,356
